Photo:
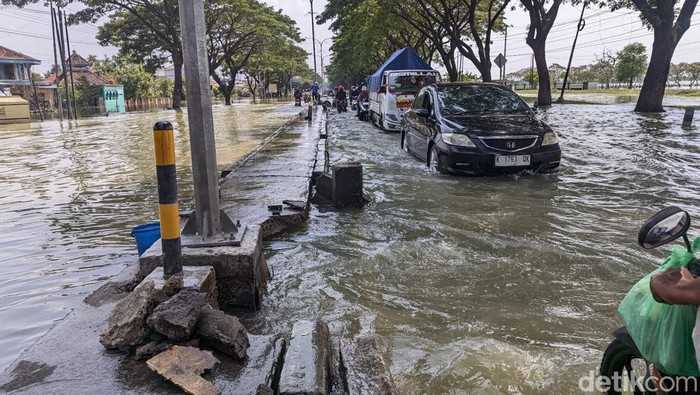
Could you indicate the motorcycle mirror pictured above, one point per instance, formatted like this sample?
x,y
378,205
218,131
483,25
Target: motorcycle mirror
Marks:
x,y
664,227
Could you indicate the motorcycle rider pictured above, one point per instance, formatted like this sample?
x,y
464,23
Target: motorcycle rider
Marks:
x,y
314,92
363,95
297,97
341,98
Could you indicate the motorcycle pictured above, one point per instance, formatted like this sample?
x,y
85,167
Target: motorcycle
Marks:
x,y
297,101
622,358
364,110
341,105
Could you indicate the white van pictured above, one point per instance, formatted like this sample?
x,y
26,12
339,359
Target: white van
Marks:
x,y
395,95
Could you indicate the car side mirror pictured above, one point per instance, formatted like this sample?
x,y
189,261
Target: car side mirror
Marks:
x,y
422,112
382,89
664,227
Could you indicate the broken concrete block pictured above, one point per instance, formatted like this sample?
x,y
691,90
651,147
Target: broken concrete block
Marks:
x,y
307,361
177,317
126,326
222,332
364,368
150,349
183,366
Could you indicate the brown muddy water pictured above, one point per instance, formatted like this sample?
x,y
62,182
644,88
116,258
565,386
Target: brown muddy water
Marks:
x,y
474,285
499,285
71,192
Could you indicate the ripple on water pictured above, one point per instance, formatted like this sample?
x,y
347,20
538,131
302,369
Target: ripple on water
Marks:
x,y
501,285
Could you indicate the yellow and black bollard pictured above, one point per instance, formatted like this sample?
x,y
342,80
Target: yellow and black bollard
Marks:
x,y
167,198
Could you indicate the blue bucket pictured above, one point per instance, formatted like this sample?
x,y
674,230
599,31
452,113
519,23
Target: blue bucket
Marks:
x,y
146,235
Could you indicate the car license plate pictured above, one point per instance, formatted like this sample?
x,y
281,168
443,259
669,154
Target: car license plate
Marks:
x,y
512,160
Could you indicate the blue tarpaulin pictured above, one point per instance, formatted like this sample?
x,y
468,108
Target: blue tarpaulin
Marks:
x,y
403,59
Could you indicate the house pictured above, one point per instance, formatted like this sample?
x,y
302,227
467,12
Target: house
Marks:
x,y
15,85
108,98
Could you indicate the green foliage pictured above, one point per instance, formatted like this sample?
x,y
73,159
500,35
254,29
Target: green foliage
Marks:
x,y
86,95
631,62
138,82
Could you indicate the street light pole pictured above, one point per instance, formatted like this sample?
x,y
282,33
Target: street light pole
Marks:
x,y
313,34
323,70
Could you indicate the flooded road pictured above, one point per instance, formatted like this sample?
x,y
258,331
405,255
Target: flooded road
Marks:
x,y
475,285
488,285
70,194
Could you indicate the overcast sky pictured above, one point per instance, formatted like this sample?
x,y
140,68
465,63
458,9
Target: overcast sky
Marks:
x,y
29,31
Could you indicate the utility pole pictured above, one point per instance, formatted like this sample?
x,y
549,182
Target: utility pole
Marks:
x,y
581,25
532,67
200,118
70,67
208,226
55,62
313,34
505,55
62,51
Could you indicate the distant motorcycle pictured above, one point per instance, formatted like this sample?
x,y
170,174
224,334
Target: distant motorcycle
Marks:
x,y
341,105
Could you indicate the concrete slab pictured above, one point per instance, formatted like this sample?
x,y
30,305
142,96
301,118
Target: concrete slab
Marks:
x,y
241,272
364,369
306,369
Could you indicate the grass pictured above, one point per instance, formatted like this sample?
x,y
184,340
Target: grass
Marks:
x,y
616,92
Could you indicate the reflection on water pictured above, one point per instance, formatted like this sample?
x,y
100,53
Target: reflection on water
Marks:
x,y
506,284
70,195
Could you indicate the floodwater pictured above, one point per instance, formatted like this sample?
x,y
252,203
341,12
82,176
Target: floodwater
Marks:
x,y
474,285
71,192
498,285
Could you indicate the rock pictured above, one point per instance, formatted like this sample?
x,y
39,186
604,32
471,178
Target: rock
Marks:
x,y
177,317
150,349
264,390
171,287
222,332
126,326
365,372
183,366
307,361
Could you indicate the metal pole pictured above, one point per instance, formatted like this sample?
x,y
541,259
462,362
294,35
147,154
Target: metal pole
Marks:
x,y
532,67
505,56
581,25
200,118
313,35
70,67
55,62
323,73
167,198
62,51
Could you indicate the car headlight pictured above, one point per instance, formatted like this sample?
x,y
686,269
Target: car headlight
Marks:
x,y
550,138
458,139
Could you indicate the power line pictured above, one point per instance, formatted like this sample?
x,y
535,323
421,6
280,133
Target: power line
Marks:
x,y
43,37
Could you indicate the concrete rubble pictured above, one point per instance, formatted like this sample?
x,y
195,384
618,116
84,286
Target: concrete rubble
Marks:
x,y
183,366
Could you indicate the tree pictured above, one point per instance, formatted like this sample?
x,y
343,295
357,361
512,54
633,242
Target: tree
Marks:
x,y
541,22
604,69
678,73
669,22
235,31
631,62
142,29
366,33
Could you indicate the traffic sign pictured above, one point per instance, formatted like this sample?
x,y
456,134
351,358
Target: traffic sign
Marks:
x,y
500,60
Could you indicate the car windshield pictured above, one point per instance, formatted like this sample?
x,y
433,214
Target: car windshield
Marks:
x,y
409,83
477,100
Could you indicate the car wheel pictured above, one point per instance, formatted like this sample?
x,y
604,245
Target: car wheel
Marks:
x,y
433,162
